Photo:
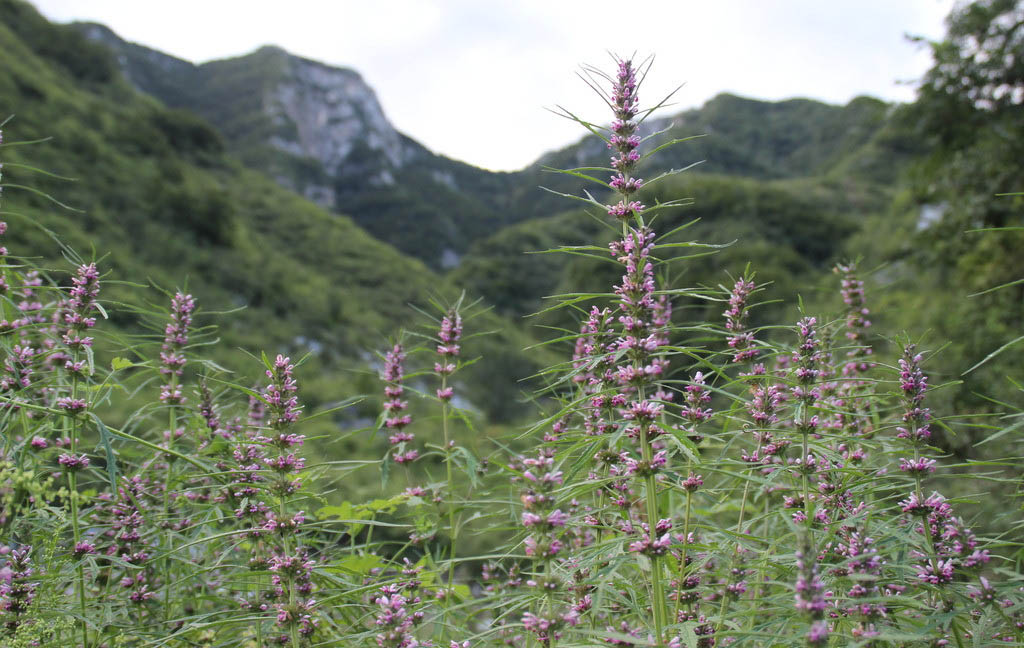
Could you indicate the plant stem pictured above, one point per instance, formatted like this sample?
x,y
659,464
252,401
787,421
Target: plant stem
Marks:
x,y
651,494
682,555
452,529
73,494
173,422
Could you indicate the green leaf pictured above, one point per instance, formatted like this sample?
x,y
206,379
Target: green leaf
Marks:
x,y
119,363
358,565
111,458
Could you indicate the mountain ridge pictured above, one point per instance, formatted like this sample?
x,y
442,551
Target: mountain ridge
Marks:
x,y
319,130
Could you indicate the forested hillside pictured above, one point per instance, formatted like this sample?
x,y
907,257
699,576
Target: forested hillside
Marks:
x,y
158,198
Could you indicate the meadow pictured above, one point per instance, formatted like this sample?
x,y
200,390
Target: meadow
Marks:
x,y
692,472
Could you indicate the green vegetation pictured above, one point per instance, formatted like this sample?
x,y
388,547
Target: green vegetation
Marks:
x,y
155,193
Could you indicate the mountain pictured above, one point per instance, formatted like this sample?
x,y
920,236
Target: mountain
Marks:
x,y
320,131
789,182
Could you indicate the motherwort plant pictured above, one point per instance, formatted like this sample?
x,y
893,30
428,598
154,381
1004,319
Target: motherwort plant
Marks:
x,y
703,476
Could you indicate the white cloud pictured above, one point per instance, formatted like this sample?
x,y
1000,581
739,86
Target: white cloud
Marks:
x,y
470,79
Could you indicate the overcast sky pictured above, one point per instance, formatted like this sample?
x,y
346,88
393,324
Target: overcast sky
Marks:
x,y
471,78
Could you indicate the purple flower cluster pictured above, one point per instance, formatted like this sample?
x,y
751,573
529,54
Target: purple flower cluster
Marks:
x,y
73,463
949,543
293,587
740,340
396,420
913,386
395,621
247,458
17,370
17,589
856,320
78,309
624,142
594,367
810,597
764,407
124,517
648,542
808,358
694,410
541,518
641,336
172,356
449,335
289,563
283,404
862,565
545,522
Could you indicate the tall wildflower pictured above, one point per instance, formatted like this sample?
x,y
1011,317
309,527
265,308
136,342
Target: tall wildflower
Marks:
x,y
77,315
78,312
851,402
289,563
172,356
449,348
806,372
740,340
947,542
172,366
862,565
125,541
545,522
810,597
396,419
17,588
642,333
857,322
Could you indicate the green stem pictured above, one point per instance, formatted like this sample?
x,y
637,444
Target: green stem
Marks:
x,y
682,556
452,528
75,524
724,607
293,628
173,422
651,494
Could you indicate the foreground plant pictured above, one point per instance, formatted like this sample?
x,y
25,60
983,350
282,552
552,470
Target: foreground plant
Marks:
x,y
694,483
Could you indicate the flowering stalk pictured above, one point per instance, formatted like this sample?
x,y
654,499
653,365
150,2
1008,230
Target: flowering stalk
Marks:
x,y
394,407
808,358
740,340
762,408
544,522
290,565
949,544
172,366
852,290
851,391
449,336
810,595
78,318
17,589
641,336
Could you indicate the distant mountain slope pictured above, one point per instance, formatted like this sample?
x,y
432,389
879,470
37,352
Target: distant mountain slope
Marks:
x,y
320,130
769,171
791,182
162,200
